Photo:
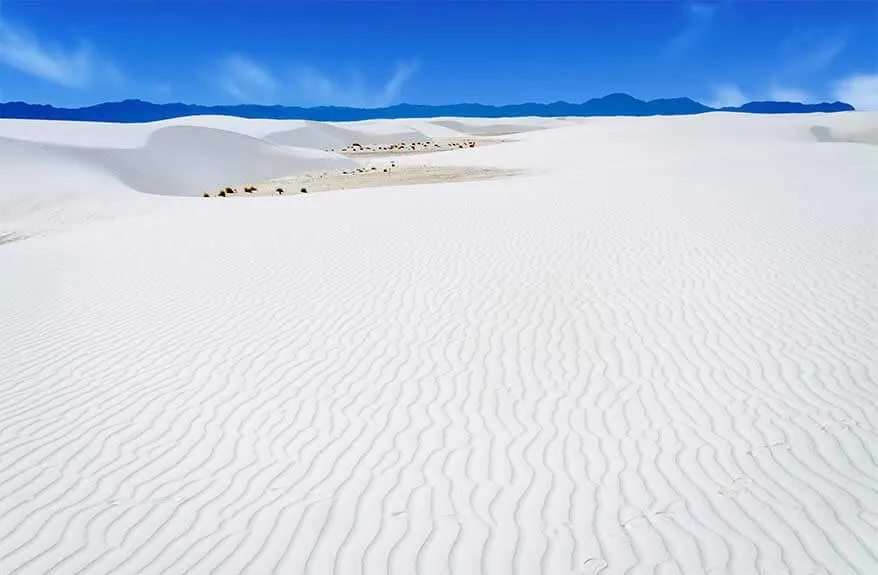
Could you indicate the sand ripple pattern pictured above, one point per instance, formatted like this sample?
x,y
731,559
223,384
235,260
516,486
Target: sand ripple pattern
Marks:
x,y
565,375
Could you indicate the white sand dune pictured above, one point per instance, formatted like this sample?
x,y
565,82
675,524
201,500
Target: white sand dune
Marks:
x,y
55,175
323,135
487,130
187,160
656,353
42,189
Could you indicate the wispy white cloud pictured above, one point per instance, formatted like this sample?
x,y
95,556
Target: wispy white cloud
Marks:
x,y
393,87
249,81
808,52
860,91
699,17
315,87
730,94
76,67
727,95
245,79
801,61
804,58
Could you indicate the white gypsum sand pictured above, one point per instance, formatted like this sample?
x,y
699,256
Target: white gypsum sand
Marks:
x,y
374,175
654,351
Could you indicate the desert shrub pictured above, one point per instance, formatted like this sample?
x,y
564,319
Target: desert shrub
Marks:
x,y
280,191
229,190
222,193
304,191
205,195
249,189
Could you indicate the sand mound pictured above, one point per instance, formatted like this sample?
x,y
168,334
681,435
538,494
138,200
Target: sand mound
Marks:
x,y
187,160
58,173
72,172
256,127
379,132
78,134
182,161
485,127
45,187
493,130
433,130
295,133
325,136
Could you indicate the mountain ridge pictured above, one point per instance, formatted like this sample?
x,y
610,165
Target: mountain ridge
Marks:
x,y
615,104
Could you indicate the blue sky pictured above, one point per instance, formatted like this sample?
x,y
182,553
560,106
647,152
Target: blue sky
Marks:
x,y
357,53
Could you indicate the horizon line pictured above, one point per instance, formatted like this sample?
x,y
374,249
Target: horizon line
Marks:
x,y
400,104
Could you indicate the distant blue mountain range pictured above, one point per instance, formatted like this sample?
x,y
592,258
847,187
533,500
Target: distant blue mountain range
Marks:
x,y
611,105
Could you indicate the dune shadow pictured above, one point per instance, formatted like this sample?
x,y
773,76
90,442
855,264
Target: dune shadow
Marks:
x,y
488,129
825,134
188,160
9,237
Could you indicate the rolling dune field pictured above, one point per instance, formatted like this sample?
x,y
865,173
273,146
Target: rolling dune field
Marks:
x,y
652,350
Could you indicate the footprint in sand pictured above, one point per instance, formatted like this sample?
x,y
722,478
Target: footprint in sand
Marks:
x,y
838,426
592,566
779,445
736,487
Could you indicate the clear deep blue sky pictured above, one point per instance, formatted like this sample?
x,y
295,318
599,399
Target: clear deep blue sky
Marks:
x,y
80,52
